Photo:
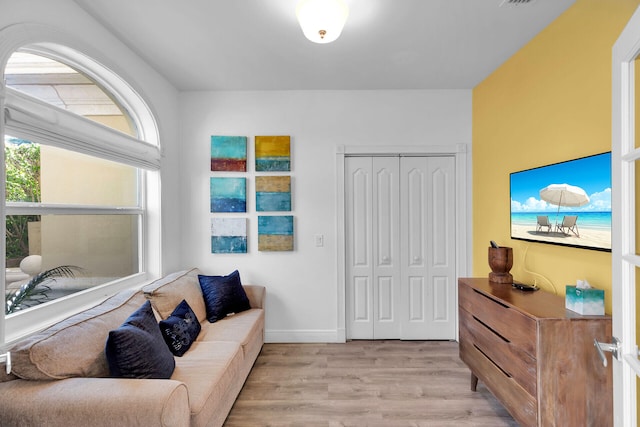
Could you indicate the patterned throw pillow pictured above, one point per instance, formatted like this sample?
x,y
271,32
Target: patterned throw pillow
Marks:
x,y
223,295
136,349
180,329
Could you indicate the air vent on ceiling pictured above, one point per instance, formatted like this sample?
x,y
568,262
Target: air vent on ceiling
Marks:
x,y
516,2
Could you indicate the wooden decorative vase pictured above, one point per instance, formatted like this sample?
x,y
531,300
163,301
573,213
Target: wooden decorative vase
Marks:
x,y
500,261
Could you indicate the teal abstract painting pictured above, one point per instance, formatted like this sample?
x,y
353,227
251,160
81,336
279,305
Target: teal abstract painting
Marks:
x,y
275,233
229,153
228,195
228,235
273,193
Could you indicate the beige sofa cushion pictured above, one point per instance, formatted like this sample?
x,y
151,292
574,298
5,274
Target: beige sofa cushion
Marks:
x,y
166,293
211,372
256,295
94,402
74,347
239,327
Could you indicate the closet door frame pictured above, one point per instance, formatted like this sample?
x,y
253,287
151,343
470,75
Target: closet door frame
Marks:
x,y
461,153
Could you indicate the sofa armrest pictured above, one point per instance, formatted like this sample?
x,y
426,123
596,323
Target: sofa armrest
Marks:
x,y
94,402
256,295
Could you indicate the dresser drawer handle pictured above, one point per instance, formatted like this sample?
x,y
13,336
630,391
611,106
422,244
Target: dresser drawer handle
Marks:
x,y
491,329
490,299
494,363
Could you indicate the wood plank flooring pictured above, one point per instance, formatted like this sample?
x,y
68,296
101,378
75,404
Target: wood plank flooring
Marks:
x,y
364,383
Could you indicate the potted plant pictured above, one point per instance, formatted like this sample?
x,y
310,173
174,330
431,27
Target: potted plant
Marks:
x,y
36,290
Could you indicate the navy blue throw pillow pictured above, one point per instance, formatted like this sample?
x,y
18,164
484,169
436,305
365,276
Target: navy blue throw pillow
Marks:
x,y
180,329
136,349
223,295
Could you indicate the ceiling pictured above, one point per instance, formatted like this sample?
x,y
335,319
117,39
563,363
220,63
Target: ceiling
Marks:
x,y
386,44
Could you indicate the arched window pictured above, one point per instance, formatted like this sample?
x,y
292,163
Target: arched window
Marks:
x,y
65,87
81,153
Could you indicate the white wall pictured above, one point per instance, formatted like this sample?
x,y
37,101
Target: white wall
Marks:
x,y
302,289
302,303
78,30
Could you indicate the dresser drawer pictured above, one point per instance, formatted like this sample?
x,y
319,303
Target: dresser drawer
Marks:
x,y
509,323
520,404
510,358
535,356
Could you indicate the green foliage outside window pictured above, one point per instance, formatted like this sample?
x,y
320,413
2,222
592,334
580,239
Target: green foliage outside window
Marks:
x,y
22,160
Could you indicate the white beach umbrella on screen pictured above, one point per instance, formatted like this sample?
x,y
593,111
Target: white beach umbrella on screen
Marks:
x,y
564,195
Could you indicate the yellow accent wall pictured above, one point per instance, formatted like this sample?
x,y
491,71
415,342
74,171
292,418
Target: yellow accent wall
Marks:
x,y
549,102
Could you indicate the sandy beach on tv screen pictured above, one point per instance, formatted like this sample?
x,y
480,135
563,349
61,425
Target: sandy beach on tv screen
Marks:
x,y
588,236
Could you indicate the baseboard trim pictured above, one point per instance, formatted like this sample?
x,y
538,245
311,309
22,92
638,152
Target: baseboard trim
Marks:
x,y
303,336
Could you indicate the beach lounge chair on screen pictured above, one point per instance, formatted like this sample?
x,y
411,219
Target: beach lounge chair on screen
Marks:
x,y
543,221
569,224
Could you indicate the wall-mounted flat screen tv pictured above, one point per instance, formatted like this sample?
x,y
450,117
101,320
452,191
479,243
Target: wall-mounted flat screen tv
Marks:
x,y
567,203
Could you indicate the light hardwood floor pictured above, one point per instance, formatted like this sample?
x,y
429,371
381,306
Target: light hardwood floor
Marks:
x,y
364,383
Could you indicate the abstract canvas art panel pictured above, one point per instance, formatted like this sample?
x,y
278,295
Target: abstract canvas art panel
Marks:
x,y
229,153
273,193
228,194
273,153
228,235
275,233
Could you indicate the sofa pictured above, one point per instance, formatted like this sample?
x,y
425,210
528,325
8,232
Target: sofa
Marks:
x,y
62,376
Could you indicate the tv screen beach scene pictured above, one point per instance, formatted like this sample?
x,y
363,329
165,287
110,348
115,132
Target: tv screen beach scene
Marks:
x,y
566,203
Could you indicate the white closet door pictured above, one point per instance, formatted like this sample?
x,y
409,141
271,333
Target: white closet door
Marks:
x,y
372,252
428,303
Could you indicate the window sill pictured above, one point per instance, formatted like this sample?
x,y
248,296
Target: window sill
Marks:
x,y
22,324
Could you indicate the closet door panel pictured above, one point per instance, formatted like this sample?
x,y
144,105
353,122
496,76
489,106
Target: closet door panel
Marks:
x,y
386,299
428,274
415,212
384,216
372,262
440,302
358,221
440,217
361,300
416,291
441,248
361,218
386,234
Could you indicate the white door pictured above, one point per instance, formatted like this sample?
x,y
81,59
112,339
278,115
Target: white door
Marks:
x,y
427,200
400,247
372,249
626,224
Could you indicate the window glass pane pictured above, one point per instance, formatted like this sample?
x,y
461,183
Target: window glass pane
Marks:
x,y
22,161
19,245
102,247
40,173
60,85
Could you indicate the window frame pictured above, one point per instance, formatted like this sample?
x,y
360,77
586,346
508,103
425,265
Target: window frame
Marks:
x,y
57,124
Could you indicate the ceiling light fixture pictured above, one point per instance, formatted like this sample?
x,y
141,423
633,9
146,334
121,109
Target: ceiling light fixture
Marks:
x,y
322,20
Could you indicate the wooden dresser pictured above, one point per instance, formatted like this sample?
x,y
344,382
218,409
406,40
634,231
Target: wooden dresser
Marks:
x,y
535,356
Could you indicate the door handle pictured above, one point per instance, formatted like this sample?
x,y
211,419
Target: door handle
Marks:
x,y
614,347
